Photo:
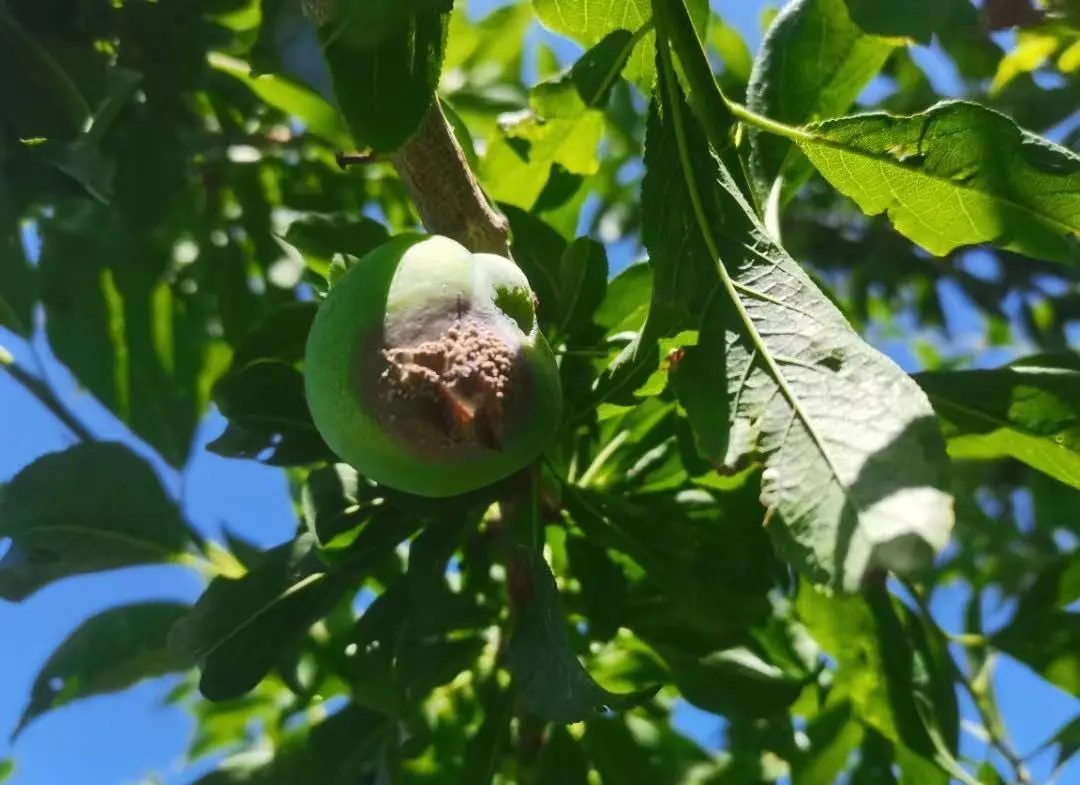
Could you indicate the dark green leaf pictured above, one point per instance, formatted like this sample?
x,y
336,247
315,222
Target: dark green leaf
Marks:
x,y
550,680
957,174
17,279
281,336
320,238
93,507
1027,411
918,19
268,416
737,683
812,65
563,759
241,627
855,467
107,653
397,75
490,742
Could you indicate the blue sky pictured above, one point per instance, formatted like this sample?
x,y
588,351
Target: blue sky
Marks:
x,y
121,738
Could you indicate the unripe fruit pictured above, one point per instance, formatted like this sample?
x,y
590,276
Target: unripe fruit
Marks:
x,y
426,370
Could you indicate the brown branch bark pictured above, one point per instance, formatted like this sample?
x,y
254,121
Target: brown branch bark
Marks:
x,y
444,189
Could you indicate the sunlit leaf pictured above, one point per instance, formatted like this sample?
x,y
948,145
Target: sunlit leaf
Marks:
x,y
812,64
955,175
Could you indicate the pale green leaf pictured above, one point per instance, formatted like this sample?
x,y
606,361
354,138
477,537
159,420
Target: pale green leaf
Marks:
x,y
1027,411
855,467
918,19
955,175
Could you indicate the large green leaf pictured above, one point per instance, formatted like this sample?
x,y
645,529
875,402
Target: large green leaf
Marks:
x,y
107,653
395,74
93,507
955,175
1026,410
833,735
856,469
551,681
812,64
240,628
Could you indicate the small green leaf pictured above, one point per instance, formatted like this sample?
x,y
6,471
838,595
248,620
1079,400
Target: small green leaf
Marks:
x,y
280,336
833,735
96,506
955,175
320,238
812,64
855,467
396,74
917,19
551,682
7,768
1026,410
241,627
1067,739
107,653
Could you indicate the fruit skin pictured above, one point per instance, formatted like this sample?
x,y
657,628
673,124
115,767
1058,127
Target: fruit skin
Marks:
x,y
362,353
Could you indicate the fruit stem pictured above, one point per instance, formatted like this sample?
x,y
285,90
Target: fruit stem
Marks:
x,y
444,189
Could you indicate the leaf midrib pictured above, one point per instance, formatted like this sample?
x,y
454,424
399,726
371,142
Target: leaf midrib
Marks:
x,y
729,285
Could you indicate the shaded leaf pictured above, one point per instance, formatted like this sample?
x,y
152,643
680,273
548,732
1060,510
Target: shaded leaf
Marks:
x,y
17,279
240,627
397,73
563,759
1026,410
96,506
491,740
918,19
813,63
107,653
957,174
268,416
855,467
550,680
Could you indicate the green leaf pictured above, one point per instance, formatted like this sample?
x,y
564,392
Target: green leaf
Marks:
x,y
7,768
491,740
563,759
281,335
1067,739
736,683
17,278
813,63
918,19
240,628
855,467
268,415
833,735
1042,634
319,238
109,652
582,281
589,21
397,75
96,506
38,97
955,175
1026,410
291,97
550,680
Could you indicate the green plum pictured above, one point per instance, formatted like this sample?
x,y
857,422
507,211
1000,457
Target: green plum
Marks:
x,y
426,371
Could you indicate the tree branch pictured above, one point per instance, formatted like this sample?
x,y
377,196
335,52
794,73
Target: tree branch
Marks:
x,y
444,189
